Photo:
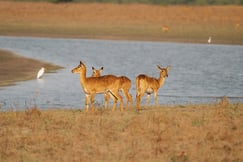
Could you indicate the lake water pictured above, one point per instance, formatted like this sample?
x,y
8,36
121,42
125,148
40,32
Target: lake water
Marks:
x,y
200,73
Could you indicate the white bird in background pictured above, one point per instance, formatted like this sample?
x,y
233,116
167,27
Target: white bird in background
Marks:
x,y
40,73
209,40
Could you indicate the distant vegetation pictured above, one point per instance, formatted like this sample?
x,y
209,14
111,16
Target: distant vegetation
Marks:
x,y
161,2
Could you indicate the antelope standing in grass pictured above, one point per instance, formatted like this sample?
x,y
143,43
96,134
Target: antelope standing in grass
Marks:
x,y
149,85
165,28
93,85
237,26
125,86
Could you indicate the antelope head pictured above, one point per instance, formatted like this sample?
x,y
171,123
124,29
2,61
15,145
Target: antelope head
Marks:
x,y
80,68
163,71
97,72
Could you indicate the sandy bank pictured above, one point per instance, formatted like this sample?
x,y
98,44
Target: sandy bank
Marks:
x,y
14,68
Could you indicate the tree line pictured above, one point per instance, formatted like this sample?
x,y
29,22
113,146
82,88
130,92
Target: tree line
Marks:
x,y
160,2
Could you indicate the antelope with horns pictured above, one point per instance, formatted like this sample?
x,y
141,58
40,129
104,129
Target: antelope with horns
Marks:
x,y
149,85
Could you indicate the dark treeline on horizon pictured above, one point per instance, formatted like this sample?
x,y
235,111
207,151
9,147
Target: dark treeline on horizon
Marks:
x,y
161,2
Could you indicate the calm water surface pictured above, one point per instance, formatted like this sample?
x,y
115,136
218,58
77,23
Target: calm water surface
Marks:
x,y
200,73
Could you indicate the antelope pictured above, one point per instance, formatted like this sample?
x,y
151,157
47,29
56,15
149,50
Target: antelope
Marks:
x,y
125,85
149,85
103,84
237,26
165,28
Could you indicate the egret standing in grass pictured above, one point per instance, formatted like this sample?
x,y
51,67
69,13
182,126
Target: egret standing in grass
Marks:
x,y
209,40
40,73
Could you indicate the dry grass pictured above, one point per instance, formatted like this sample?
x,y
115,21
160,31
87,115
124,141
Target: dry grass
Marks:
x,y
176,133
15,68
126,21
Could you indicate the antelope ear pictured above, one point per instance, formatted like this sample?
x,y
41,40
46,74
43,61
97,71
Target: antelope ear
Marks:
x,y
81,63
159,67
168,68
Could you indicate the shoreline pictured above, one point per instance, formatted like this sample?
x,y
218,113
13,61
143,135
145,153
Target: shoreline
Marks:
x,y
15,68
111,38
119,38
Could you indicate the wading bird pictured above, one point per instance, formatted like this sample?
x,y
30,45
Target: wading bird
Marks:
x,y
40,73
209,40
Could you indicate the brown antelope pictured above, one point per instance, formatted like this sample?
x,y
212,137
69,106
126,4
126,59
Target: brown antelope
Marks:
x,y
237,26
165,28
149,85
125,86
93,85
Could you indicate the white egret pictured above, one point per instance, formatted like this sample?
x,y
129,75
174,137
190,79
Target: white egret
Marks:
x,y
40,73
209,40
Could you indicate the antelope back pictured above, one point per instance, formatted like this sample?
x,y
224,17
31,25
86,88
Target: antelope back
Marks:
x,y
102,83
125,82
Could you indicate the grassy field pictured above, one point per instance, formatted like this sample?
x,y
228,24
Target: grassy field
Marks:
x,y
174,133
123,21
15,68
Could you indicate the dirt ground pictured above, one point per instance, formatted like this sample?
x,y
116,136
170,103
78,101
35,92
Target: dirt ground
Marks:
x,y
123,21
